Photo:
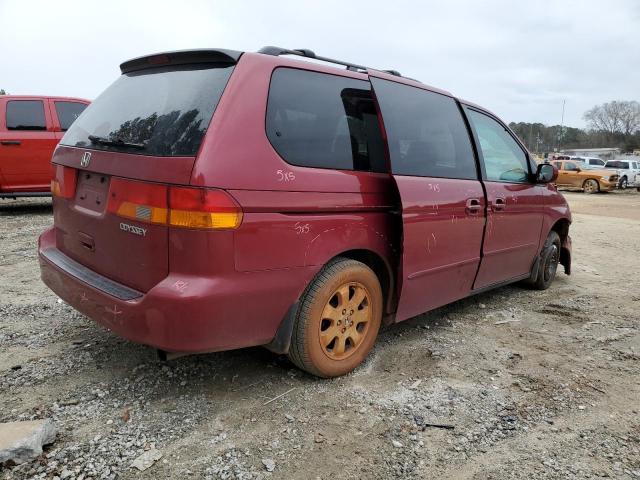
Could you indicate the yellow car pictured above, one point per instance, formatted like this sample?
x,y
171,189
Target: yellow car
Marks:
x,y
590,179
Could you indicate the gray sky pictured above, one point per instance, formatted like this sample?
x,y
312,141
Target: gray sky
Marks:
x,y
519,59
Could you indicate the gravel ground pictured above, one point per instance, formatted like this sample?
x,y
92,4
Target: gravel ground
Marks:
x,y
508,384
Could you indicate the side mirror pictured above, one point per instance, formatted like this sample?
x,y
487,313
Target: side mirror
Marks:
x,y
546,173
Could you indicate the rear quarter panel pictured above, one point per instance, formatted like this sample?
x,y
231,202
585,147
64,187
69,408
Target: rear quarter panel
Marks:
x,y
291,229
294,217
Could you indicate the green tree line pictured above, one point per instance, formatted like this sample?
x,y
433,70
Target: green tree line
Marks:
x,y
614,124
540,138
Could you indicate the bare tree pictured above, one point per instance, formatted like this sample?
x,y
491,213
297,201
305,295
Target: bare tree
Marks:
x,y
2,92
615,117
630,117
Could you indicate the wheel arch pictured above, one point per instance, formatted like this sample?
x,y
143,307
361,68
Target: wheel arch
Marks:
x,y
561,227
376,262
381,268
595,179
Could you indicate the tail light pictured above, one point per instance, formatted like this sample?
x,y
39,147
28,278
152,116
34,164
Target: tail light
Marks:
x,y
63,182
146,202
185,207
203,208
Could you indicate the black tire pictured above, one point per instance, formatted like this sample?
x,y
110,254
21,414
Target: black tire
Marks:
x,y
327,338
591,186
549,259
623,184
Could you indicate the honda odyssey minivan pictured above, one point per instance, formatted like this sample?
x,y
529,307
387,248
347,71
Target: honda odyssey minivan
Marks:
x,y
215,199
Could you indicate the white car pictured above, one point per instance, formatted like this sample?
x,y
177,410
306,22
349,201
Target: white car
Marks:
x,y
629,171
594,162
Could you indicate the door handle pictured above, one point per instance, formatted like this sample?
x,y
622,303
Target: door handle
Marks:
x,y
499,204
10,142
473,206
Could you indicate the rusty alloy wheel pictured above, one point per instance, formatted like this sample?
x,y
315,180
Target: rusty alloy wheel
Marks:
x,y
338,319
345,320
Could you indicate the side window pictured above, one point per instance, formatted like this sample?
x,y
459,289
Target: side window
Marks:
x,y
324,121
25,115
570,166
504,160
558,165
426,133
68,112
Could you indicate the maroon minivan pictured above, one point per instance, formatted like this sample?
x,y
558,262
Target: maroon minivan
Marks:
x,y
214,199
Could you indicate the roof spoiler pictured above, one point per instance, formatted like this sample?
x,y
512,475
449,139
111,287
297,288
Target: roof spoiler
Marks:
x,y
181,57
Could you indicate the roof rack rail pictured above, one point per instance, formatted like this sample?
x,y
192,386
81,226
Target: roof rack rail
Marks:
x,y
304,52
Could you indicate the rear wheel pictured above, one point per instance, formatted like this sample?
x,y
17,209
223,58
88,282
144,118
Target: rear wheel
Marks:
x,y
590,186
338,319
549,259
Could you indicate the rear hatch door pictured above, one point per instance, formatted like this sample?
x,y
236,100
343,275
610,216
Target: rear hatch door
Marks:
x,y
142,133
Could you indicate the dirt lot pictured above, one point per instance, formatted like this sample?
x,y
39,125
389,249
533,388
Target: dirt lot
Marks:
x,y
534,384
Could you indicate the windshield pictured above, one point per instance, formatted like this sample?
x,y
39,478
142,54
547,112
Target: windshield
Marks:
x,y
161,111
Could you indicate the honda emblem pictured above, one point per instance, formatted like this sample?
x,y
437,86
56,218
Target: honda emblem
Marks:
x,y
86,158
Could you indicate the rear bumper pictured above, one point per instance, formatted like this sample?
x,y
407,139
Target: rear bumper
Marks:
x,y
24,194
181,313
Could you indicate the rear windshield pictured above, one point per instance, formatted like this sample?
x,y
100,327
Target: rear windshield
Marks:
x,y
161,111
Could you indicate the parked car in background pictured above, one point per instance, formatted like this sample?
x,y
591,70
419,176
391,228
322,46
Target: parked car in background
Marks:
x,y
215,199
591,161
575,174
628,171
30,129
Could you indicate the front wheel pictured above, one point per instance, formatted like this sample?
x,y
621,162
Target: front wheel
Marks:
x,y
549,259
623,183
591,186
338,319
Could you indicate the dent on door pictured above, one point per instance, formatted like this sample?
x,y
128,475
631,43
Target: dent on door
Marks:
x,y
442,241
512,235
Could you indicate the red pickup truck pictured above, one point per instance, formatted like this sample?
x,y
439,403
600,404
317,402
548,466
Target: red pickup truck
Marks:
x,y
30,129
